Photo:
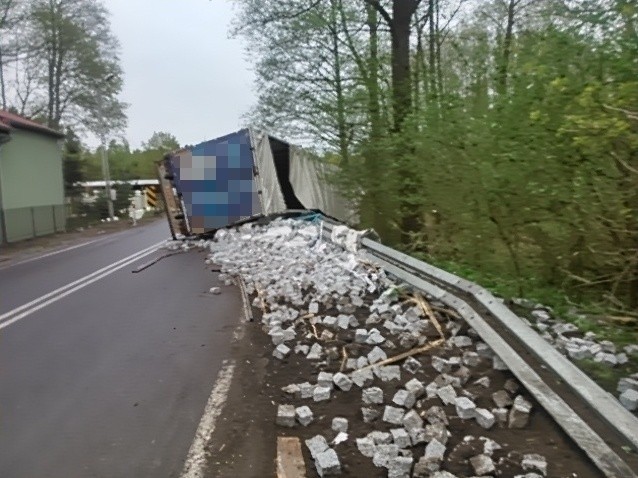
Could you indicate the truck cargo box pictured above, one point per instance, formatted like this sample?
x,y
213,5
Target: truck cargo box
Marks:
x,y
247,174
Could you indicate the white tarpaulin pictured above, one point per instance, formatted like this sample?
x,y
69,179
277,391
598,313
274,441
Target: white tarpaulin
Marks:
x,y
272,199
310,181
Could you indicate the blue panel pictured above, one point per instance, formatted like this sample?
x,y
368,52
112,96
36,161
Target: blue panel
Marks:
x,y
216,181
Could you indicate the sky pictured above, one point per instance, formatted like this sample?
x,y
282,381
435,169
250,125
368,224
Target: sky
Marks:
x,y
182,73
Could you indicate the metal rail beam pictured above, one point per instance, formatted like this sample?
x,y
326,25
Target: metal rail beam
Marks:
x,y
605,404
425,277
586,438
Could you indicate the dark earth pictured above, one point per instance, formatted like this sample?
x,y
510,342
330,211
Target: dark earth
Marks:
x,y
244,443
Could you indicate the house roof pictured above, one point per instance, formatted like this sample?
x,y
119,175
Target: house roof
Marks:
x,y
10,120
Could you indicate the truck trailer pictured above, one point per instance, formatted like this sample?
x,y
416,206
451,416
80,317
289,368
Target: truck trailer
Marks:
x,y
242,176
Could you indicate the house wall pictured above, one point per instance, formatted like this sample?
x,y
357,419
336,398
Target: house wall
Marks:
x,y
31,185
2,221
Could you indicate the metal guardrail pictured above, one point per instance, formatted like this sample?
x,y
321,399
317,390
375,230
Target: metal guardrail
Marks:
x,y
448,288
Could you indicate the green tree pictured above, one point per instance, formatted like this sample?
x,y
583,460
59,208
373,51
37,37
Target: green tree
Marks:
x,y
126,164
501,135
161,141
77,56
307,78
73,165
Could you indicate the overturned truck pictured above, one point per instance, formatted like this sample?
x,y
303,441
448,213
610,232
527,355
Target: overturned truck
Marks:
x,y
242,176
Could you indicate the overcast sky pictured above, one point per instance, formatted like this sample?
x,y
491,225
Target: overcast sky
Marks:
x,y
182,74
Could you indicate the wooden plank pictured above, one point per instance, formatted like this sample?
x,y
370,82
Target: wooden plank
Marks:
x,y
173,206
401,356
290,462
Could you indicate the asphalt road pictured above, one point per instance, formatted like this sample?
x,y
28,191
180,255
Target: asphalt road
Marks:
x,y
112,379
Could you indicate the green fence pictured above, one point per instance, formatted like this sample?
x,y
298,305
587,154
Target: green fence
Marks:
x,y
28,222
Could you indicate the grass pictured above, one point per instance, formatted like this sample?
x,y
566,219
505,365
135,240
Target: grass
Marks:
x,y
607,377
618,334
588,316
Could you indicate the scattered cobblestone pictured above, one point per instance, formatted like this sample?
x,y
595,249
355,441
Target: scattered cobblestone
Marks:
x,y
285,416
536,463
482,464
372,395
304,415
341,285
404,399
393,415
519,413
340,424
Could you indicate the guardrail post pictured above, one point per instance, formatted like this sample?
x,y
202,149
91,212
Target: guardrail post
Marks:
x,y
3,228
33,221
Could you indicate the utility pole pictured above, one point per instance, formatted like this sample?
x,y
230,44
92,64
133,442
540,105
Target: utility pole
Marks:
x,y
106,173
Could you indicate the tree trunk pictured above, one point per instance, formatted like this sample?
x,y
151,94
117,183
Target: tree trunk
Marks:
x,y
400,23
432,50
342,127
402,11
420,70
2,85
507,48
512,249
51,64
372,205
57,92
633,287
439,71
5,24
373,74
51,92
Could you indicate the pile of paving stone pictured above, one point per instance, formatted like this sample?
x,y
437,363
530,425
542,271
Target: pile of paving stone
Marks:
x,y
416,368
567,339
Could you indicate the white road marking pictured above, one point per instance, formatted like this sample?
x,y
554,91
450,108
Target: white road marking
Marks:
x,y
248,313
29,308
195,464
49,254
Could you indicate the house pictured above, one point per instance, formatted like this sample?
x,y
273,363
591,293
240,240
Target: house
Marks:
x,y
31,181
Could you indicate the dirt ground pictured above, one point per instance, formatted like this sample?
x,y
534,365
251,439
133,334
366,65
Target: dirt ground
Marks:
x,y
244,443
21,250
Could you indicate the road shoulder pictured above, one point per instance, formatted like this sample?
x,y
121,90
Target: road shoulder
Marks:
x,y
244,442
31,249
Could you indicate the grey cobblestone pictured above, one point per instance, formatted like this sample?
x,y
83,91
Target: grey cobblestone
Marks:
x,y
393,415
372,395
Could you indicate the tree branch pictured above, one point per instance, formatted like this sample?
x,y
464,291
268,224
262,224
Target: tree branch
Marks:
x,y
623,163
350,44
630,114
281,16
382,11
